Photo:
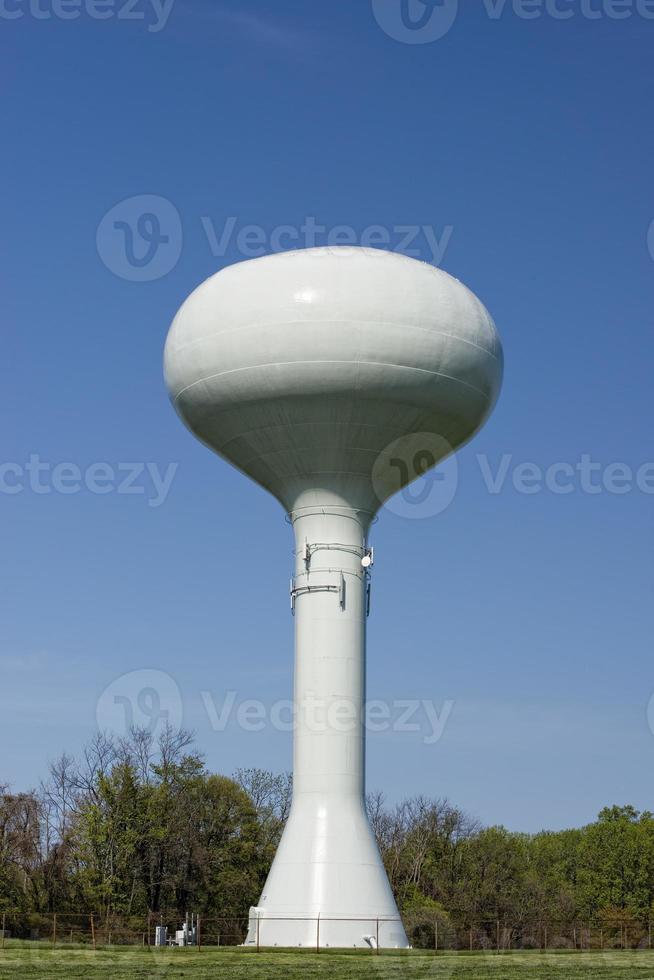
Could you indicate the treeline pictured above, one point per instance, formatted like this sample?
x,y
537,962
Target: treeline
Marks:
x,y
138,826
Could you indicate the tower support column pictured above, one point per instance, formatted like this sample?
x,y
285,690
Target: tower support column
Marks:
x,y
328,866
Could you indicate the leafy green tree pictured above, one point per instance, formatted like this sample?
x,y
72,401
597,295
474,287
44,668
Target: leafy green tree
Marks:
x,y
174,837
491,873
617,862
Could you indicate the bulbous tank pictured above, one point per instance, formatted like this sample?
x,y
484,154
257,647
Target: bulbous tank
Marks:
x,y
301,368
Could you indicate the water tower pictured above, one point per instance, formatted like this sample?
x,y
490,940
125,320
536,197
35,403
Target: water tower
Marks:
x,y
302,369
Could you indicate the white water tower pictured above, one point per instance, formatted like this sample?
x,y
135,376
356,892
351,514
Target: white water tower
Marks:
x,y
301,369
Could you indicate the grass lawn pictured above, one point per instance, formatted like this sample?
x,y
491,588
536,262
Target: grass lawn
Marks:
x,y
40,961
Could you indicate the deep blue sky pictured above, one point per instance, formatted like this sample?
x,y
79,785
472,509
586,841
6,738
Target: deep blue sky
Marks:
x,y
533,141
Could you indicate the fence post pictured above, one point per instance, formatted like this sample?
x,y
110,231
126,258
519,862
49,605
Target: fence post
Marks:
x,y
4,925
54,928
471,939
377,937
93,931
498,935
650,934
258,924
199,935
318,933
436,936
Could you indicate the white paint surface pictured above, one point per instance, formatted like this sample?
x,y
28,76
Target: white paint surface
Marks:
x,y
300,369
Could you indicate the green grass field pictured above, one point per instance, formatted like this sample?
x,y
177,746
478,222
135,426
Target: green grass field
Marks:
x,y
38,961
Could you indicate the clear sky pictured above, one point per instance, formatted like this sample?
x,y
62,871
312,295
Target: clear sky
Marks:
x,y
524,146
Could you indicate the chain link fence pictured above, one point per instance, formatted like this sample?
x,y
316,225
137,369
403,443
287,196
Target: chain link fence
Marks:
x,y
438,933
